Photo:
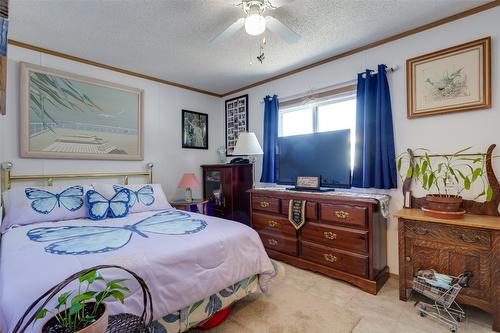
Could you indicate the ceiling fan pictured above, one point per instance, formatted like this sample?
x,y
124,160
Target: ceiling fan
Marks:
x,y
255,23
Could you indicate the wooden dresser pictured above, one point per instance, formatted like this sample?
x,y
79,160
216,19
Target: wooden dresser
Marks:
x,y
452,247
344,237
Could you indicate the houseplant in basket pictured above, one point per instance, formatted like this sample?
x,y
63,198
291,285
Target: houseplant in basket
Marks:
x,y
83,310
446,178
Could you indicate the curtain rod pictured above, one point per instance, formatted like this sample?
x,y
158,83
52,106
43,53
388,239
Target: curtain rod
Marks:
x,y
312,92
315,91
388,70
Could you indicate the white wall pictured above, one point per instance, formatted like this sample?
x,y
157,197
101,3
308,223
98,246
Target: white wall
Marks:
x,y
162,126
446,133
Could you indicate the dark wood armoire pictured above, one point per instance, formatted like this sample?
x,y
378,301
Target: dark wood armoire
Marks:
x,y
226,186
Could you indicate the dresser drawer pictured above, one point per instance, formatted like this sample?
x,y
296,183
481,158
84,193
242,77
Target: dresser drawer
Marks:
x,y
311,209
354,215
271,223
266,204
456,235
349,262
287,245
340,237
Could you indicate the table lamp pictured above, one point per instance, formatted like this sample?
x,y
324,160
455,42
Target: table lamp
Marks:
x,y
187,182
248,144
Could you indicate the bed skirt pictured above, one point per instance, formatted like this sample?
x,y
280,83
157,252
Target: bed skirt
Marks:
x,y
197,313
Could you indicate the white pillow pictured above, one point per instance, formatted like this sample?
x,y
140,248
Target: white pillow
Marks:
x,y
143,197
44,204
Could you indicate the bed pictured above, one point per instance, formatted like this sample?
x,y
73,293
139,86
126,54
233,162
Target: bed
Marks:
x,y
201,265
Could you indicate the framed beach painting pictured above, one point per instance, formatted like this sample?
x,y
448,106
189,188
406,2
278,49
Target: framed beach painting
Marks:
x,y
194,130
66,115
236,121
450,80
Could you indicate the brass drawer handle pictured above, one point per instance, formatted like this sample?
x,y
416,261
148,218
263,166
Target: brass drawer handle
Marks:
x,y
264,204
476,239
272,242
330,257
329,235
272,224
341,214
408,259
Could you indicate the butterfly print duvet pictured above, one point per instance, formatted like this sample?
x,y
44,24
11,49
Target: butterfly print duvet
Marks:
x,y
183,257
83,239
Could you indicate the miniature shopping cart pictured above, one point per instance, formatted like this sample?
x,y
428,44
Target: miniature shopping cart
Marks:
x,y
444,309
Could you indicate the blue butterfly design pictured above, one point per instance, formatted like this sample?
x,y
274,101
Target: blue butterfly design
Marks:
x,y
100,207
80,240
144,195
44,202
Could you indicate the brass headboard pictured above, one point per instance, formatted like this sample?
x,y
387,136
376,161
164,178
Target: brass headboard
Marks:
x,y
8,178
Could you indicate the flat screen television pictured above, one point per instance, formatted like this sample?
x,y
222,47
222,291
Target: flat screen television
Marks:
x,y
326,154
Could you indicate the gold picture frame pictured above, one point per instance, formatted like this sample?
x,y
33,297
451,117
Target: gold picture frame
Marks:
x,y
70,116
454,79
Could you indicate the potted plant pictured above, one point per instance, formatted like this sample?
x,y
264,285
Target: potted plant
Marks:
x,y
446,177
83,310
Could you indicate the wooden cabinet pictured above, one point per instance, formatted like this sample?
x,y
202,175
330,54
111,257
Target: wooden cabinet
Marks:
x,y
226,186
452,247
343,237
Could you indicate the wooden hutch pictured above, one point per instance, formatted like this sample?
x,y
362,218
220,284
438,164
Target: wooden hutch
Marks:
x,y
226,187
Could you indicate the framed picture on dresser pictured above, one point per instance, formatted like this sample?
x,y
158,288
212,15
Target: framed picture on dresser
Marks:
x,y
236,121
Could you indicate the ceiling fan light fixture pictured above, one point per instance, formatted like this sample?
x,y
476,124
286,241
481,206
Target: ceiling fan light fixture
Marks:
x,y
255,24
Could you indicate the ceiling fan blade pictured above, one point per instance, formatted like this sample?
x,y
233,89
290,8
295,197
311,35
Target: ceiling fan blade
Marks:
x,y
233,2
282,30
280,3
230,31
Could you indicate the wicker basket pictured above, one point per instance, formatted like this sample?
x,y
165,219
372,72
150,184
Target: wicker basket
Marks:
x,y
120,323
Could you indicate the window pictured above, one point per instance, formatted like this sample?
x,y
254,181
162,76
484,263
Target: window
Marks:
x,y
296,121
334,114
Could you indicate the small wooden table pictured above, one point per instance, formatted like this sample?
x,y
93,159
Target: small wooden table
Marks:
x,y
191,206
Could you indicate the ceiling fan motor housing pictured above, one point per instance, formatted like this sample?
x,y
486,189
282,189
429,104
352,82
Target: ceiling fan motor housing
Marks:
x,y
255,23
254,6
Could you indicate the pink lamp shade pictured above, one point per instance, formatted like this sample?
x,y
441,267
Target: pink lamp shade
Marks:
x,y
188,181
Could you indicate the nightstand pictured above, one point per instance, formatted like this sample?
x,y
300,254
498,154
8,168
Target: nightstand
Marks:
x,y
190,206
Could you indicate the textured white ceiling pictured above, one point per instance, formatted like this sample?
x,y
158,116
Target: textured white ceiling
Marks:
x,y
169,39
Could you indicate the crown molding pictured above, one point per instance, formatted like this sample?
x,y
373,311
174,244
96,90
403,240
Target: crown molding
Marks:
x,y
109,67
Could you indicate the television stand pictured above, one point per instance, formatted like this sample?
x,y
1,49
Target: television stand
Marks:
x,y
319,190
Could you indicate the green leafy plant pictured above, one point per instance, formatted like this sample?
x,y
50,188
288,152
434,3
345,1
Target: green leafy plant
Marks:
x,y
84,307
446,175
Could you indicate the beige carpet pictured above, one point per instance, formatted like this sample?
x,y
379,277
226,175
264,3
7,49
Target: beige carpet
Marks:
x,y
288,309
301,301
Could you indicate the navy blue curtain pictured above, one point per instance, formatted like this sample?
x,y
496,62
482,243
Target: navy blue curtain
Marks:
x,y
271,112
374,159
